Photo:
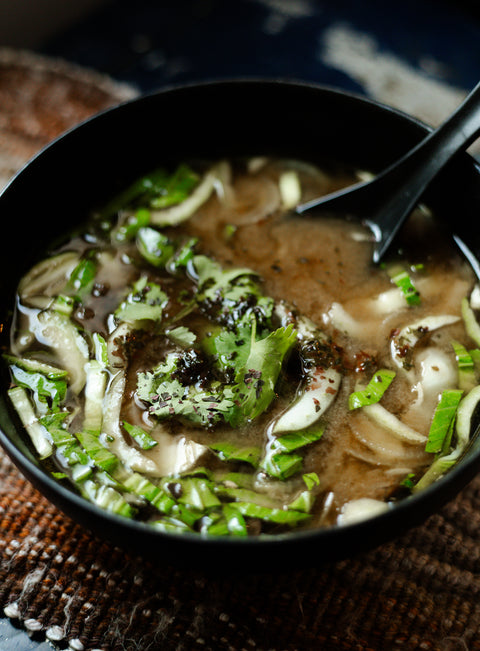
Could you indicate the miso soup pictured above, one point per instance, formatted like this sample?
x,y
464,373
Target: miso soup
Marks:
x,y
200,358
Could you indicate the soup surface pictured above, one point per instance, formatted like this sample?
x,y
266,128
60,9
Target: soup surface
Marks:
x,y
201,359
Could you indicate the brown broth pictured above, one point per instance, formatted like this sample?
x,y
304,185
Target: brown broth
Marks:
x,y
321,266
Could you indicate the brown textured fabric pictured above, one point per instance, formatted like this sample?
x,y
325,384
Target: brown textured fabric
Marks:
x,y
418,592
40,98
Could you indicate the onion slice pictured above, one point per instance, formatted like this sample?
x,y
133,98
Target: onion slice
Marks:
x,y
48,277
57,331
318,393
321,384
361,509
404,341
390,422
182,211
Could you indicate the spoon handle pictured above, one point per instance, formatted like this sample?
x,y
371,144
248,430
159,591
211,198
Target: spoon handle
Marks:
x,y
412,174
388,199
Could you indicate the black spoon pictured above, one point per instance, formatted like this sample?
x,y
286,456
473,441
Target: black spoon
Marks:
x,y
386,201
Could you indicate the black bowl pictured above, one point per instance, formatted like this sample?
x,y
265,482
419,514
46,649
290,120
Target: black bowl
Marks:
x,y
88,164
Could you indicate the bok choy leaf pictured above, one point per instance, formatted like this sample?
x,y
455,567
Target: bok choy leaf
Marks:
x,y
374,390
443,419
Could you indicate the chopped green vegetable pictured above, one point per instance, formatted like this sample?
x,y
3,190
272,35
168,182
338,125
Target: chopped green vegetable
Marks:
x,y
470,320
374,390
449,457
172,525
465,412
242,494
311,480
107,498
281,459
63,304
154,246
279,516
466,367
303,502
177,188
182,256
408,481
100,455
401,278
195,492
229,231
59,475
130,227
68,445
37,432
443,419
140,436
282,465
475,355
229,521
156,188
294,440
43,388
236,524
101,349
306,499
136,483
82,278
231,452
95,387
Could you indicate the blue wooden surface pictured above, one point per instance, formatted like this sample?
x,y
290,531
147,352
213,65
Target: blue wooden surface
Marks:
x,y
151,44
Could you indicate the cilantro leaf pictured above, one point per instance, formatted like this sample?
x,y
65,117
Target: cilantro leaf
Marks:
x,y
145,301
231,296
169,397
181,336
232,348
253,391
254,387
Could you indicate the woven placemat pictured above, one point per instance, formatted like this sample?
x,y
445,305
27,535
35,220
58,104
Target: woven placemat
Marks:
x,y
418,592
61,583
